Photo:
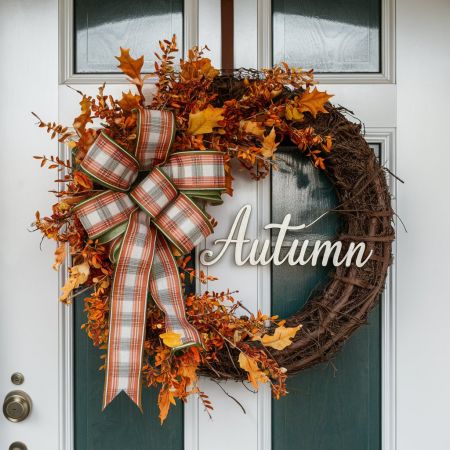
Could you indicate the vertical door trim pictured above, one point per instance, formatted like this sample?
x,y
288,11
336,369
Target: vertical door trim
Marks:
x,y
387,47
65,349
386,137
67,73
264,408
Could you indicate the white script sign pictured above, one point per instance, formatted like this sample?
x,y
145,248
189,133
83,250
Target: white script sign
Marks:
x,y
297,254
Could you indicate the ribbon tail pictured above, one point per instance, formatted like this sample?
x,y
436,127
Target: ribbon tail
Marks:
x,y
128,310
166,291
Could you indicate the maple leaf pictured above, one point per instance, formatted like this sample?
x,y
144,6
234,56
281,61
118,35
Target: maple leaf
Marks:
x,y
251,127
194,70
254,373
171,339
78,275
84,118
203,122
313,102
129,101
132,68
280,339
269,145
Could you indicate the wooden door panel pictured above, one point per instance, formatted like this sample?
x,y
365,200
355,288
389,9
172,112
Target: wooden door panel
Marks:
x,y
121,426
336,405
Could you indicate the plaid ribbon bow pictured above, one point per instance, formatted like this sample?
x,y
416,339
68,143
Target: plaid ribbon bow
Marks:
x,y
147,205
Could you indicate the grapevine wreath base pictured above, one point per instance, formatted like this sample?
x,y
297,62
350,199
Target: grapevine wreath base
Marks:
x,y
242,115
330,317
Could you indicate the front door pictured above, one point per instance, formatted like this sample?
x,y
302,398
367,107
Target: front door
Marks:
x,y
347,404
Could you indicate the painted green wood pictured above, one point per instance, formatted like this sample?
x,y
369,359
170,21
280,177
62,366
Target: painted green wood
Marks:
x,y
121,426
334,406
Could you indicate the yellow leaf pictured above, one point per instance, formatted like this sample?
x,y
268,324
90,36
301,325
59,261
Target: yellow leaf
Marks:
x,y
171,339
280,339
254,373
203,122
269,145
60,254
292,113
78,275
254,128
313,102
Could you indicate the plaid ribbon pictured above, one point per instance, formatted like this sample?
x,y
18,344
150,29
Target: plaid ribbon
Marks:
x,y
138,220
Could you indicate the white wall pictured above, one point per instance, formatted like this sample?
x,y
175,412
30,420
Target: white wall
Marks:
x,y
28,286
423,68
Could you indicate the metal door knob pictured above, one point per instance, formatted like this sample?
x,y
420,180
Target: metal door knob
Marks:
x,y
18,446
17,406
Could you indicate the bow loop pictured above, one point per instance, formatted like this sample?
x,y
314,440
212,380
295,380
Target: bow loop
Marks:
x,y
108,164
103,213
156,132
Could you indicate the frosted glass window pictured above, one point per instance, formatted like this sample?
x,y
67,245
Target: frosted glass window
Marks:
x,y
102,27
330,36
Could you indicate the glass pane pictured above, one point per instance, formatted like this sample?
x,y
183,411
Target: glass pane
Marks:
x,y
102,27
330,36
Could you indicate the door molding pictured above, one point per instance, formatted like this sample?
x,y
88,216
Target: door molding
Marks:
x,y
65,348
386,137
387,48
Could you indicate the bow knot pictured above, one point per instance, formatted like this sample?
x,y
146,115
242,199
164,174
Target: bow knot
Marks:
x,y
138,220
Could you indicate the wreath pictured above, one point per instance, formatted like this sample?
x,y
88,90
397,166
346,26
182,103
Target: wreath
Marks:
x,y
133,204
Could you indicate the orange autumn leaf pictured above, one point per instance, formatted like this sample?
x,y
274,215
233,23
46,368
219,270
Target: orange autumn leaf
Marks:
x,y
313,102
254,373
171,339
165,399
280,339
197,68
269,145
189,371
203,122
84,118
130,66
129,101
81,179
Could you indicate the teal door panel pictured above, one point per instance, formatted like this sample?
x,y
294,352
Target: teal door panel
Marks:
x,y
121,426
336,405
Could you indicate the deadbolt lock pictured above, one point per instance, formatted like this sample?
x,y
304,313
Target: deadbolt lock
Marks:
x,y
17,406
